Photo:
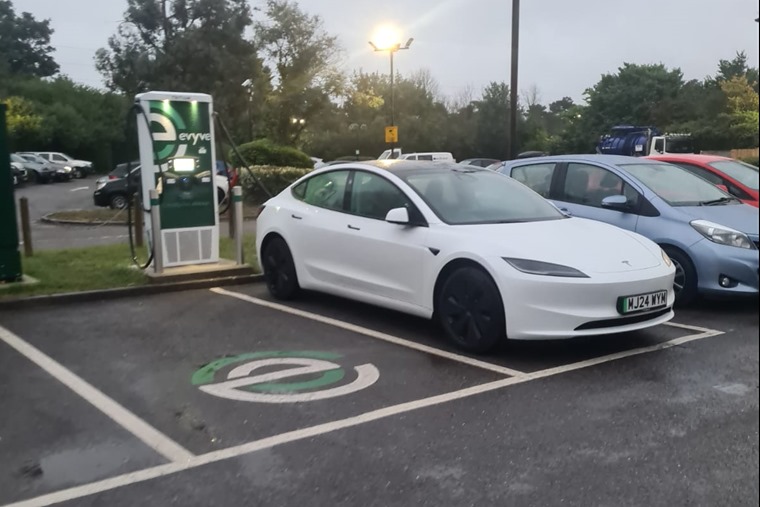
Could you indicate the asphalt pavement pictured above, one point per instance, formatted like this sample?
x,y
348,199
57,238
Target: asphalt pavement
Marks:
x,y
71,195
227,397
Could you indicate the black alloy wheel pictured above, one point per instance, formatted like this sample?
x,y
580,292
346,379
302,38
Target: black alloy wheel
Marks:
x,y
279,269
470,310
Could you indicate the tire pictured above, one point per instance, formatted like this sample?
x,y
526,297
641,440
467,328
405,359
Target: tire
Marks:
x,y
118,201
470,310
279,269
34,176
685,283
78,173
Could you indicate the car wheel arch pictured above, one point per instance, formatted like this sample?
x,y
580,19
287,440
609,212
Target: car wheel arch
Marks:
x,y
451,266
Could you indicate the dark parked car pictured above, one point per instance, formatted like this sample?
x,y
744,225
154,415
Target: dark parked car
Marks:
x,y
114,189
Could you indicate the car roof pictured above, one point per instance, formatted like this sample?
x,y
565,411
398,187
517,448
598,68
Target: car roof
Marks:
x,y
693,157
591,157
400,166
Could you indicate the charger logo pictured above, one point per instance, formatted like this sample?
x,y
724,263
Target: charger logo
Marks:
x,y
261,377
174,132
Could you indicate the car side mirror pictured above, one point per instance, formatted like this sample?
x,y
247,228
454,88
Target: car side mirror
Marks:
x,y
724,188
616,202
398,216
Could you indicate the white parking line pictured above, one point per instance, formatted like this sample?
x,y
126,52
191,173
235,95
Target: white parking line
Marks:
x,y
371,333
321,429
126,419
78,189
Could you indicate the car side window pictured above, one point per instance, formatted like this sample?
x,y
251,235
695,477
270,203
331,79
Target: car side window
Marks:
x,y
373,196
58,158
700,171
326,190
424,157
536,176
590,185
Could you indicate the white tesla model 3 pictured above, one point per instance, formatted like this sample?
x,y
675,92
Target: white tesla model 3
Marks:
x,y
479,252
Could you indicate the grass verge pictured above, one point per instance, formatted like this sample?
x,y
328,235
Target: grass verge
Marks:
x,y
98,267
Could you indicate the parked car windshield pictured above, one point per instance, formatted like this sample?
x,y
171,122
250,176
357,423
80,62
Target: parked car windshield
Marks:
x,y
470,195
677,186
16,158
747,175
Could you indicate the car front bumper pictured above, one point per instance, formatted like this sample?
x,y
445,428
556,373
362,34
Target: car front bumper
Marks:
x,y
100,198
713,260
546,307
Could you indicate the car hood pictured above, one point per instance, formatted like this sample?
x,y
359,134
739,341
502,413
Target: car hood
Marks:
x,y
587,245
741,217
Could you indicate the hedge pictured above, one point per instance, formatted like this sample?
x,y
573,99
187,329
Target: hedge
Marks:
x,y
265,153
275,179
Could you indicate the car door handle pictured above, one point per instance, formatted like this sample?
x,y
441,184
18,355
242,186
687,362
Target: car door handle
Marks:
x,y
353,228
296,217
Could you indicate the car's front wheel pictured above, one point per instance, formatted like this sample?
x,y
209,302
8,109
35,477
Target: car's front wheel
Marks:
x,y
470,310
118,201
279,269
685,281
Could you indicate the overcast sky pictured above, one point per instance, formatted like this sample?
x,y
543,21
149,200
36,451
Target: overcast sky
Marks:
x,y
565,45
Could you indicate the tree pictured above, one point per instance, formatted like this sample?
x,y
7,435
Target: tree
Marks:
x,y
190,46
303,60
25,43
492,121
742,110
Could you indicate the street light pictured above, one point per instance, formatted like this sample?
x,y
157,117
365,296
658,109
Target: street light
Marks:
x,y
248,85
387,41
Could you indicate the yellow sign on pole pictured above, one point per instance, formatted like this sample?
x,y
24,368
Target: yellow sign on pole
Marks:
x,y
391,134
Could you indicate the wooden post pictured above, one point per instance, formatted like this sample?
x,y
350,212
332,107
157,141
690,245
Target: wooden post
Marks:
x,y
137,219
26,228
231,214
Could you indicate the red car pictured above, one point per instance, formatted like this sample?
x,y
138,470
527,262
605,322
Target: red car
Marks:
x,y
736,177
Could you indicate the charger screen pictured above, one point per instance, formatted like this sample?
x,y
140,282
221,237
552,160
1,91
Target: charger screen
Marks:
x,y
184,165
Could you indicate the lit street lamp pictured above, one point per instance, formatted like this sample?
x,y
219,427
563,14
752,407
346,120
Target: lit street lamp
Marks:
x,y
386,40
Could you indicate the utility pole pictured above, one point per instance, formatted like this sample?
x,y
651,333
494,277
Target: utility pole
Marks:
x,y
513,82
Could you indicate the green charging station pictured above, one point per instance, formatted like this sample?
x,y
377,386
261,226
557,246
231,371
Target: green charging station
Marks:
x,y
177,160
10,258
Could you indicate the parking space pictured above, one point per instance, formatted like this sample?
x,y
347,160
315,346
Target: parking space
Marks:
x,y
225,396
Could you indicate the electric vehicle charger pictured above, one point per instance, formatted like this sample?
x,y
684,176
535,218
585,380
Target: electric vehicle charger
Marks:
x,y
136,108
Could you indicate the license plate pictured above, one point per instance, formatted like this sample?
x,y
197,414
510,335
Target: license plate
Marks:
x,y
642,302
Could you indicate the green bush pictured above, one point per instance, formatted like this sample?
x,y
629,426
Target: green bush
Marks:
x,y
755,161
265,153
275,179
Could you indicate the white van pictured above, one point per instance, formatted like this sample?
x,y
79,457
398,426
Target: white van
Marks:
x,y
434,156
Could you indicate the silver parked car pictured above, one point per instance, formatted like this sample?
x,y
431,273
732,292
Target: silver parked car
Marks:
x,y
710,235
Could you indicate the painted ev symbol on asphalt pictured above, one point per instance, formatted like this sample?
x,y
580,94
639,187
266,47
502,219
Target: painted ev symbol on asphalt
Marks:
x,y
247,382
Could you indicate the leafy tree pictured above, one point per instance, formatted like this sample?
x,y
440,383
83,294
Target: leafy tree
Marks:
x,y
190,46
25,43
303,58
742,110
492,121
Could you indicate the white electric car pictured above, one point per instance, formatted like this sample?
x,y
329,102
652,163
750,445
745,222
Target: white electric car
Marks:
x,y
481,253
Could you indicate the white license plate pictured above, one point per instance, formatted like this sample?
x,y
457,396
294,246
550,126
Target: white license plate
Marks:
x,y
642,302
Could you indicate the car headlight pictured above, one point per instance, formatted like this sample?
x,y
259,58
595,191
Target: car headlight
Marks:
x,y
544,268
666,258
67,168
721,234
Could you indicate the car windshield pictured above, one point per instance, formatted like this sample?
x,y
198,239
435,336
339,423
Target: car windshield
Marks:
x,y
677,186
680,145
16,158
467,195
745,174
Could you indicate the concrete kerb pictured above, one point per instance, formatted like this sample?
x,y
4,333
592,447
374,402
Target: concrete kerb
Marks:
x,y
125,292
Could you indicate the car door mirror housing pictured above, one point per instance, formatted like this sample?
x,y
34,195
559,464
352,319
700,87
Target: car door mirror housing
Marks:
x,y
618,202
398,216
724,188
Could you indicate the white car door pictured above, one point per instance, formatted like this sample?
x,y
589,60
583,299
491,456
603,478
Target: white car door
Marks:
x,y
378,257
314,221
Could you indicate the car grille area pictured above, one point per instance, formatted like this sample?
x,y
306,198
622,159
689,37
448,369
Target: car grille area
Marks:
x,y
622,321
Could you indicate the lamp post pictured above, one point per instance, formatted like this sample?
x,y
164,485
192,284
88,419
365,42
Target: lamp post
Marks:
x,y
248,85
513,82
387,43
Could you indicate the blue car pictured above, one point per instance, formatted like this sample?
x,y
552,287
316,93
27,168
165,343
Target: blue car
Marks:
x,y
710,235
